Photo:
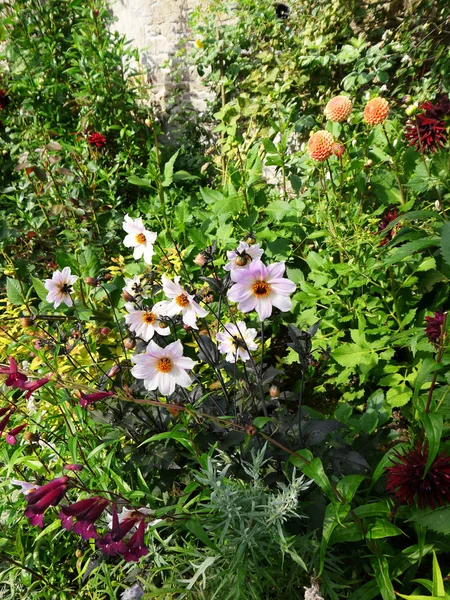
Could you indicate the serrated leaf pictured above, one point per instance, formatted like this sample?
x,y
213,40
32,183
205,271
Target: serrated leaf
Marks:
x,y
14,292
437,519
168,170
351,355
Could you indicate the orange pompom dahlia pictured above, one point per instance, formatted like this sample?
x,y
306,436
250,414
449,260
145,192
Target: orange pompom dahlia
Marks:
x,y
338,109
320,145
376,111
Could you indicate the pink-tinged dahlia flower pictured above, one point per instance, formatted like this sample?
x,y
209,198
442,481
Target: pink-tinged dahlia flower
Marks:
x,y
260,288
96,139
242,256
434,326
139,238
338,109
406,479
60,287
87,512
181,302
236,341
86,399
144,323
163,368
134,288
46,495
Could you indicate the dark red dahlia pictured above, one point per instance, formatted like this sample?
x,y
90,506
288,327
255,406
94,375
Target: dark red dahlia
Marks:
x,y
406,480
434,326
388,217
96,139
428,130
4,99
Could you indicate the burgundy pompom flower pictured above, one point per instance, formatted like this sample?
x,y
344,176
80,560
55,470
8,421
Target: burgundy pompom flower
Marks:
x,y
406,478
434,326
388,217
428,130
96,139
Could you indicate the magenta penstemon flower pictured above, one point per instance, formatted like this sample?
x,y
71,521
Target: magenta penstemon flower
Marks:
x,y
260,288
60,287
44,496
11,435
139,238
180,302
93,398
86,511
163,368
242,256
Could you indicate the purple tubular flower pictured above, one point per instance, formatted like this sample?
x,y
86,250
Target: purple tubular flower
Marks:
x,y
11,435
136,548
4,421
87,399
112,544
46,495
32,386
86,511
14,378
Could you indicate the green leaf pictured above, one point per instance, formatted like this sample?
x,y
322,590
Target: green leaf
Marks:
x,y
382,528
348,486
168,170
314,470
139,181
407,250
380,566
438,584
278,209
195,527
385,462
399,395
334,515
351,355
445,243
433,424
14,292
39,288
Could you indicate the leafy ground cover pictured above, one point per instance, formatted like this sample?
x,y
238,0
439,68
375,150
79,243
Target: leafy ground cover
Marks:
x,y
224,358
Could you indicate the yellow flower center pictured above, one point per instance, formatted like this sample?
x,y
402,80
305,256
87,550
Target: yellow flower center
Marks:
x,y
140,238
182,300
148,318
164,365
261,288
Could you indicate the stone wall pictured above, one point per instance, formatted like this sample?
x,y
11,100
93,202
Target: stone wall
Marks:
x,y
156,28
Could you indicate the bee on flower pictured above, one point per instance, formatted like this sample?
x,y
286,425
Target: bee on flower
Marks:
x,y
236,341
243,256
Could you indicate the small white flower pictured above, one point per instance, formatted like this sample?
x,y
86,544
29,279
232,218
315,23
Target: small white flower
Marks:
x,y
406,59
163,368
236,340
383,88
139,238
25,487
181,302
243,254
60,287
437,206
260,288
144,323
135,288
32,407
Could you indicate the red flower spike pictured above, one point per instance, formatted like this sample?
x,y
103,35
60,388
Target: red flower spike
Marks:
x,y
406,478
434,326
136,548
96,139
87,399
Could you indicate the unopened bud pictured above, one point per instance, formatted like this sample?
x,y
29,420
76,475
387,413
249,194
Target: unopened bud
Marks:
x,y
105,331
338,149
406,99
26,321
78,553
107,276
129,343
274,391
148,122
200,259
251,430
30,437
113,371
30,235
411,110
127,296
91,281
368,164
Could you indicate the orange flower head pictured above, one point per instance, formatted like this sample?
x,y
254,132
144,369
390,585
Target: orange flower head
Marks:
x,y
320,145
376,111
338,149
338,109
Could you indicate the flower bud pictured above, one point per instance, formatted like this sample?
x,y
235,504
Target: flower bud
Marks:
x,y
411,110
274,391
79,553
251,430
200,259
113,371
406,99
368,164
26,321
105,331
148,122
127,296
107,276
129,343
30,235
91,281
